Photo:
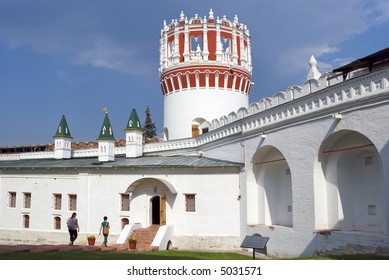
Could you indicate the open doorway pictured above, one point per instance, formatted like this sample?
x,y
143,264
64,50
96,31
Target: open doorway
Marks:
x,y
158,210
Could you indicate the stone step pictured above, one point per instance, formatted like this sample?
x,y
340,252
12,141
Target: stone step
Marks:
x,y
145,237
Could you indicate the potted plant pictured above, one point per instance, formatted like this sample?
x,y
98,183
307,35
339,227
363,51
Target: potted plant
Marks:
x,y
91,240
132,243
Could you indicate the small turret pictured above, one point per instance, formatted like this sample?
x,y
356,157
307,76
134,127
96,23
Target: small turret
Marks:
x,y
134,131
63,141
106,141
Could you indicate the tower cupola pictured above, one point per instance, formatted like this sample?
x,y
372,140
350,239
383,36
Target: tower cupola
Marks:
x,y
134,139
205,71
63,140
106,141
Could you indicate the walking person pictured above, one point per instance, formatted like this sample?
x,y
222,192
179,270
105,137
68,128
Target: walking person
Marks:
x,y
105,227
73,228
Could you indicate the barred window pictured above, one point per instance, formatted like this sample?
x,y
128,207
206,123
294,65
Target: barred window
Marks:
x,y
190,202
26,221
57,222
125,202
12,199
72,202
57,201
26,200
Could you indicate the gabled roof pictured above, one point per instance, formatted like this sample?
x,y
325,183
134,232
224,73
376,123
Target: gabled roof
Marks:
x,y
106,131
63,129
133,122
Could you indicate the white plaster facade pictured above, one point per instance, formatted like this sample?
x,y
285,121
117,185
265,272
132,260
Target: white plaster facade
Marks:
x,y
307,167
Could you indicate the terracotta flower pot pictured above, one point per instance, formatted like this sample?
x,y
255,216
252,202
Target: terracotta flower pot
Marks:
x,y
91,242
132,245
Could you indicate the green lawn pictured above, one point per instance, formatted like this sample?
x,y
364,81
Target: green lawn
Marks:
x,y
98,255
161,255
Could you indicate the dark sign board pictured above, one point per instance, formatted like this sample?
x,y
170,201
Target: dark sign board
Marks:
x,y
254,242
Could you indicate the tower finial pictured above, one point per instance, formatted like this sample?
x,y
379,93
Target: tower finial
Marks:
x,y
211,14
313,72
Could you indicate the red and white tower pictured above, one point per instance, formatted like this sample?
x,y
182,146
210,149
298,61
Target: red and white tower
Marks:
x,y
205,70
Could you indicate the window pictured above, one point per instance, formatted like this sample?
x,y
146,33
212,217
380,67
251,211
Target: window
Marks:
x,y
26,221
26,200
190,203
12,199
125,202
125,222
72,202
57,201
57,222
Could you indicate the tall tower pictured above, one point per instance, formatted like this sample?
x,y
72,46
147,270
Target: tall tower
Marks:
x,y
205,72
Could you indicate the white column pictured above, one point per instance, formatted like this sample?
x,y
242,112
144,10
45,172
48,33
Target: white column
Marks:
x,y
218,43
243,55
205,41
186,44
234,47
176,55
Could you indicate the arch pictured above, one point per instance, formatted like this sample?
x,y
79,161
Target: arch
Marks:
x,y
274,187
124,222
349,183
162,182
196,126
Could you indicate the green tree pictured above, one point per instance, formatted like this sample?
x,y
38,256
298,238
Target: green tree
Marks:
x,y
149,129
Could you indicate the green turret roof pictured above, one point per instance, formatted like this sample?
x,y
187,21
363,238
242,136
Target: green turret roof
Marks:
x,y
133,122
63,129
106,132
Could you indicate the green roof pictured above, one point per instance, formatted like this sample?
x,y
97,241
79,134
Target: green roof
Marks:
x,y
63,129
133,122
106,132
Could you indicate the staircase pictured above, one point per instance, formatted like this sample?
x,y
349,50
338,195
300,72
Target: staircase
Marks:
x,y
145,237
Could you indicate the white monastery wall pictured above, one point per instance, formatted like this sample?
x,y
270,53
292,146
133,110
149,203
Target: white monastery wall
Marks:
x,y
179,114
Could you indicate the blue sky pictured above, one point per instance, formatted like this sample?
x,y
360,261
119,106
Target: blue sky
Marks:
x,y
75,57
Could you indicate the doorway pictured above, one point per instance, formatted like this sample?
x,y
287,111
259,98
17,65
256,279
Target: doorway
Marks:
x,y
155,209
158,210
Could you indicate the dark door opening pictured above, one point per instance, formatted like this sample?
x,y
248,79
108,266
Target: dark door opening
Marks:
x,y
155,211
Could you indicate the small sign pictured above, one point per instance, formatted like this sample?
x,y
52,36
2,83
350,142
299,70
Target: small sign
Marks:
x,y
254,242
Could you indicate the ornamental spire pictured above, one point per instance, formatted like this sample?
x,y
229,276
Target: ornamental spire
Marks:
x,y
63,129
106,132
133,122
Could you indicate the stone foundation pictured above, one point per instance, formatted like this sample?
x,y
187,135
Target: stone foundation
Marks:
x,y
207,243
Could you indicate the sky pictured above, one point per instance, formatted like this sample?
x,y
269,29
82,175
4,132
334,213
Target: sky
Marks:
x,y
76,57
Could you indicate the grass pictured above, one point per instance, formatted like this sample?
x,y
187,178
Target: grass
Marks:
x,y
98,255
161,255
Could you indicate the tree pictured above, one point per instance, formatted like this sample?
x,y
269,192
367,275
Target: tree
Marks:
x,y
149,129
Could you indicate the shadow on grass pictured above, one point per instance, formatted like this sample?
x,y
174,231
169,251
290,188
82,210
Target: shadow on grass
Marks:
x,y
98,255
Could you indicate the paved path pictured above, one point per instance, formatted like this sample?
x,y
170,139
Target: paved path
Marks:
x,y
58,248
